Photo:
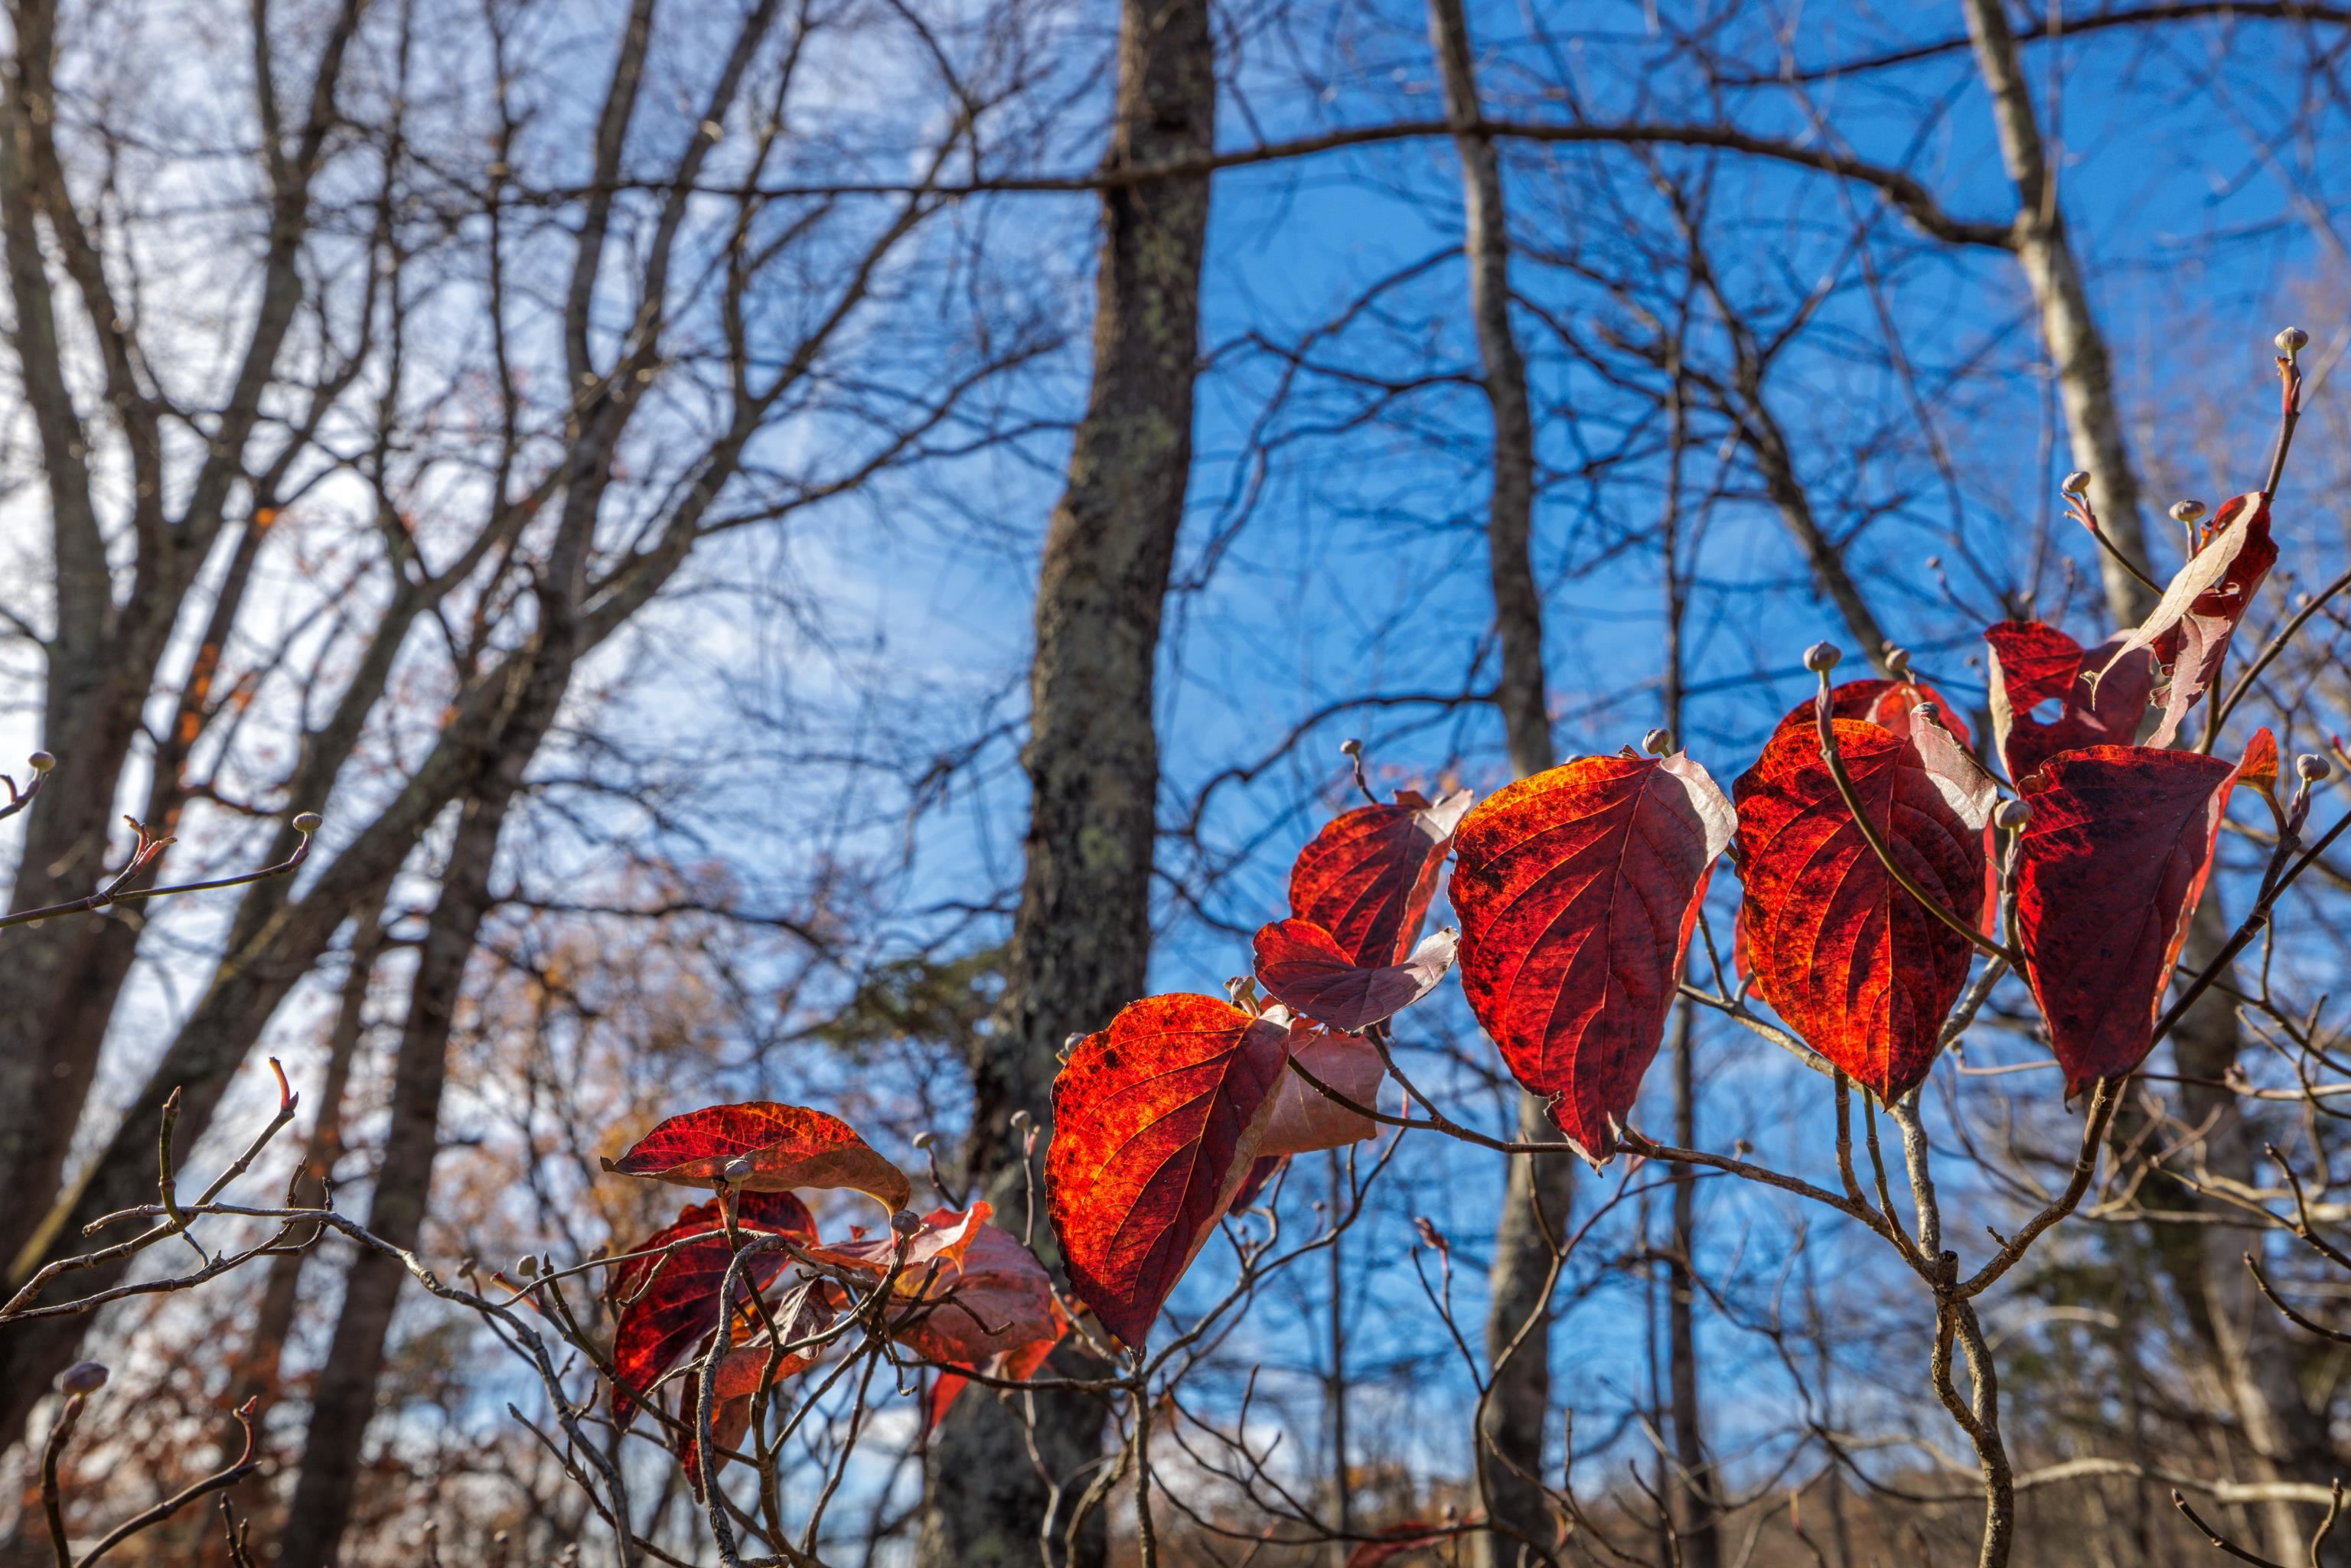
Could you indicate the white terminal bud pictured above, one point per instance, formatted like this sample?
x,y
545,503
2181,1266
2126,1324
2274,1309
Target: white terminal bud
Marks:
x,y
1822,657
1658,742
741,1169
308,822
527,1267
1897,663
2077,483
40,762
1019,1118
2014,815
905,1222
2312,769
2292,341
2186,512
1351,749
923,1139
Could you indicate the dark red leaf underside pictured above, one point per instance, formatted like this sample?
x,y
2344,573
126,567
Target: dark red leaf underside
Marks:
x,y
1840,951
656,1327
2033,663
1368,876
1156,1122
1577,890
2115,857
1303,968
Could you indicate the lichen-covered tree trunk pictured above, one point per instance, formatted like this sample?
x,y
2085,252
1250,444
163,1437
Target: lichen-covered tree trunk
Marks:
x,y
1083,935
1513,1420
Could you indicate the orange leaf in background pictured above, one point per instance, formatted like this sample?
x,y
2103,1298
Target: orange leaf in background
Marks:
x,y
656,1326
1577,891
2117,855
2032,663
1303,968
1156,1121
1842,952
789,1147
1368,876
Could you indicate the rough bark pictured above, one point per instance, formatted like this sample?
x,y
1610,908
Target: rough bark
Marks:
x,y
344,1400
1514,1421
1083,934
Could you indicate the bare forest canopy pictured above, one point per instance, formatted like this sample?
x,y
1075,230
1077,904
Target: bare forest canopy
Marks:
x,y
836,783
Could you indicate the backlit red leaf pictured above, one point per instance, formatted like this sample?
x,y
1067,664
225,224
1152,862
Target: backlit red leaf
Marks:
x,y
663,1308
1156,1122
2190,627
991,1298
1840,951
1368,875
788,1146
1261,1171
1577,890
2115,857
2033,665
943,1237
1018,1364
1887,704
1303,968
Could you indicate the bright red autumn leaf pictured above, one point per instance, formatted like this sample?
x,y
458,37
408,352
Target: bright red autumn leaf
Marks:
x,y
2115,858
1577,890
1887,704
2190,627
943,1237
1156,1121
2033,665
788,1146
1303,968
2259,768
657,1325
1842,952
1368,875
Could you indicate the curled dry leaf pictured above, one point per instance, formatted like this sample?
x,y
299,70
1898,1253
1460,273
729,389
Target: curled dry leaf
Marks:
x,y
1156,1121
1303,968
1842,952
1368,876
2033,663
2115,858
2191,625
789,1147
1577,890
664,1307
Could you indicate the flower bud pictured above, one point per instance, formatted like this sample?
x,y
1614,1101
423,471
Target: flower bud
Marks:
x,y
2292,341
740,1169
2077,483
525,1267
1658,742
308,822
1019,1118
923,1139
83,1377
1822,657
1351,749
2312,769
2014,815
2187,512
40,762
905,1222
1897,663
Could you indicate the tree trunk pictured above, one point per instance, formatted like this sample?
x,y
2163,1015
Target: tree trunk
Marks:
x,y
1083,935
1514,1421
345,1400
1701,1539
2256,1359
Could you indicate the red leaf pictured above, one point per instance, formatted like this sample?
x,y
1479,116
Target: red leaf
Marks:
x,y
2033,663
1842,952
1577,891
1399,1539
1887,704
657,1326
1368,875
2115,858
1155,1121
1261,1171
1304,1118
2191,626
1303,968
1018,1364
2259,768
945,1236
994,1297
789,1145
743,1372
